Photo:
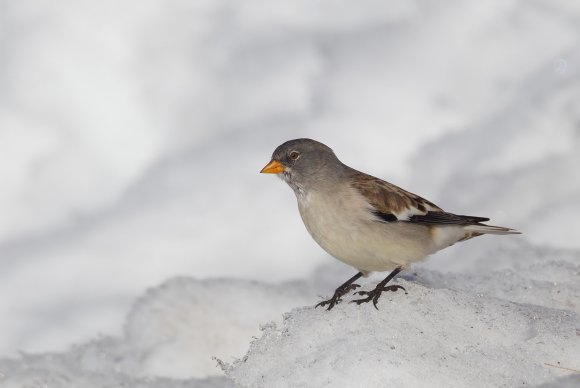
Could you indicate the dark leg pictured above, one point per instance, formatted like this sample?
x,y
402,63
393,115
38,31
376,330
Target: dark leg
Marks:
x,y
341,291
375,294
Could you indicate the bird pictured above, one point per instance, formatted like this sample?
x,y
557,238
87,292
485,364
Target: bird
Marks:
x,y
365,222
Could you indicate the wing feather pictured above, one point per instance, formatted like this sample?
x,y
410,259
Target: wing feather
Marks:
x,y
446,218
391,203
387,198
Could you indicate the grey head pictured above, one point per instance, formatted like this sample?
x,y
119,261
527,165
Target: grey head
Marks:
x,y
305,164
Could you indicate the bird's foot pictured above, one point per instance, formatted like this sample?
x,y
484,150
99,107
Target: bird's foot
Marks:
x,y
375,294
337,297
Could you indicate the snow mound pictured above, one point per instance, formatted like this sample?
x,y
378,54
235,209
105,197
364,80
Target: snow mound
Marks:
x,y
430,336
517,272
170,338
510,318
176,329
84,367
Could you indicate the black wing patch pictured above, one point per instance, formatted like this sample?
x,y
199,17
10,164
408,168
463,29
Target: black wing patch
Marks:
x,y
432,218
385,217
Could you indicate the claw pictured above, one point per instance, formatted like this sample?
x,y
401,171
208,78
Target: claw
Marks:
x,y
360,301
337,297
330,302
324,303
375,294
394,288
344,289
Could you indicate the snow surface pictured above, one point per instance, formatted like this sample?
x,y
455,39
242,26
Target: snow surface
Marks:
x,y
511,321
440,337
499,326
170,335
131,135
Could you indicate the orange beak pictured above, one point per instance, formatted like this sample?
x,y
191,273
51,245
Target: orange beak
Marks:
x,y
274,167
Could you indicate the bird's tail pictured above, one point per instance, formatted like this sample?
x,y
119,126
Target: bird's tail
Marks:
x,y
489,229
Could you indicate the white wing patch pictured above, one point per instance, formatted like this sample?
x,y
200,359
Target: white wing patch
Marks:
x,y
413,211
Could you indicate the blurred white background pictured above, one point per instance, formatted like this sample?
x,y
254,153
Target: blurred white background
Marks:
x,y
132,133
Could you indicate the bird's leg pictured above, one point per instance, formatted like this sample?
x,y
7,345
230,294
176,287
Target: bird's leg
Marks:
x,y
375,294
343,289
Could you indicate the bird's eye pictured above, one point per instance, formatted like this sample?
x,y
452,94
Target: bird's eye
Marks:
x,y
294,155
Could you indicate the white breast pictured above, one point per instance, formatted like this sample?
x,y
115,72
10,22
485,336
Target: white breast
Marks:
x,y
343,225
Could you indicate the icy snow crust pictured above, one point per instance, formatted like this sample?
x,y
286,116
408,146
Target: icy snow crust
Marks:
x,y
497,326
442,338
500,325
171,334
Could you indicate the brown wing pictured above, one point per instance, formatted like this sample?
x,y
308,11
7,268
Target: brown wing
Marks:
x,y
390,199
391,203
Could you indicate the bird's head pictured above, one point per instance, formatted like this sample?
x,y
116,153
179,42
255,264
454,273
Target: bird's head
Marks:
x,y
302,163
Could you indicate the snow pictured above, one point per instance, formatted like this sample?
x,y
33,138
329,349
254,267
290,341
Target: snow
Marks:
x,y
519,273
443,337
178,327
131,136
498,326
169,337
515,313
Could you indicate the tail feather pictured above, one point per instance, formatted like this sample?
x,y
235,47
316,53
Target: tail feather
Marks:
x,y
489,229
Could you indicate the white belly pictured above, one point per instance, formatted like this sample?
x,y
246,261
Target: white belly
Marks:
x,y
346,229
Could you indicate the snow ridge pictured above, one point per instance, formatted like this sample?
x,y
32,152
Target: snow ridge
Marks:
x,y
444,337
